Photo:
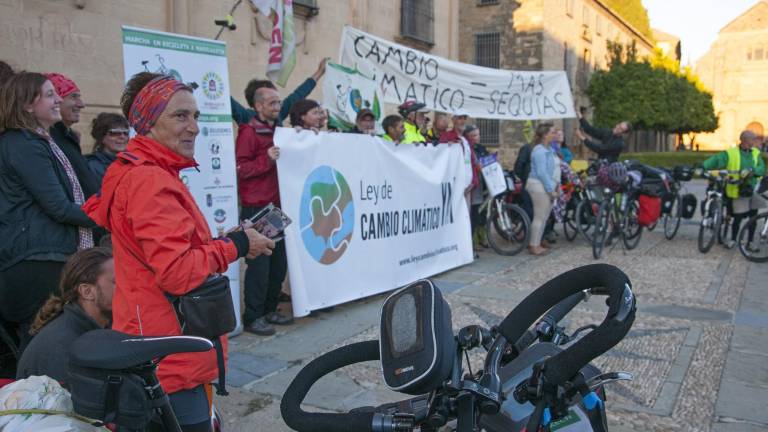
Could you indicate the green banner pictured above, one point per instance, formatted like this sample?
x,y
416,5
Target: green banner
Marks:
x,y
158,40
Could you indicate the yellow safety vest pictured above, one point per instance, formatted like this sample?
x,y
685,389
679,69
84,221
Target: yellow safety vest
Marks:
x,y
412,134
734,169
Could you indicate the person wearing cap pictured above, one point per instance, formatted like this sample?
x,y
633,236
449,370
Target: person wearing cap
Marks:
x,y
414,121
162,243
365,122
67,138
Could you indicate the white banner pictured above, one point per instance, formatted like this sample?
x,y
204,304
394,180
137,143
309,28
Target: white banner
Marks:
x,y
368,216
204,62
404,73
345,93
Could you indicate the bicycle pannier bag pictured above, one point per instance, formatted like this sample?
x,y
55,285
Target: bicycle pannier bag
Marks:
x,y
689,205
416,339
649,211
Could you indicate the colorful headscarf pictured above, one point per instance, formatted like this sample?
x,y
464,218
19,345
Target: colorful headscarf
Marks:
x,y
63,85
151,102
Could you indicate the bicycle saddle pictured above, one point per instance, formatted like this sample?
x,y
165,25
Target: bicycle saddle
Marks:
x,y
108,349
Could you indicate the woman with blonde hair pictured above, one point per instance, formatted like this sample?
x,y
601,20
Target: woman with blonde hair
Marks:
x,y
542,184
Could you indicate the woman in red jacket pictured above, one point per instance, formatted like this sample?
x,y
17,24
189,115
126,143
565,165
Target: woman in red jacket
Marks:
x,y
161,241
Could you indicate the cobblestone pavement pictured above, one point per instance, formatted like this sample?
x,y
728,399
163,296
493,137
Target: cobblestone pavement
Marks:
x,y
698,349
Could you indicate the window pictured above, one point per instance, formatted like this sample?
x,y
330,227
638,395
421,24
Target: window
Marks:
x,y
417,20
758,53
488,54
569,8
585,15
749,53
599,25
488,49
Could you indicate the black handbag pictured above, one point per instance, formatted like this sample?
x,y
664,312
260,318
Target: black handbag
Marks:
x,y
196,309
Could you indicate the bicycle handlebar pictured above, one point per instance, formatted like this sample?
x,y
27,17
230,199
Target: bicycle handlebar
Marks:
x,y
618,321
300,420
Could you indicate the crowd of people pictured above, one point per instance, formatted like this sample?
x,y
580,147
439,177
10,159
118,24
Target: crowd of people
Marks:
x,y
98,240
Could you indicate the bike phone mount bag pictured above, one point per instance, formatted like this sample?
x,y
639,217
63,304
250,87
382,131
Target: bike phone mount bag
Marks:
x,y
417,344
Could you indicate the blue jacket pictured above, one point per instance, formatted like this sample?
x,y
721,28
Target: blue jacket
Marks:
x,y
543,166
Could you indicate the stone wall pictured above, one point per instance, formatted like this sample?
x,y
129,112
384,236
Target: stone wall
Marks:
x,y
85,43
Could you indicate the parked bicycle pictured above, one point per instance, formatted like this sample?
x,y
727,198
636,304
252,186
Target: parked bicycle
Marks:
x,y
672,210
617,218
714,220
756,250
522,386
507,225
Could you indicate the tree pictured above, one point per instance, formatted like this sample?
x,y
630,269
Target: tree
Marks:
x,y
633,12
653,93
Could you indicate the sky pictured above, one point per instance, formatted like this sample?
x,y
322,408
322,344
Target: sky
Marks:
x,y
695,22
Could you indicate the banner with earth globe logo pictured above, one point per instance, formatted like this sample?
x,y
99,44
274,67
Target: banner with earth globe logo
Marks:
x,y
368,216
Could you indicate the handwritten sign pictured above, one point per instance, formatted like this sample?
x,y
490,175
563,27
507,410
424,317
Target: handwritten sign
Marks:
x,y
493,174
403,73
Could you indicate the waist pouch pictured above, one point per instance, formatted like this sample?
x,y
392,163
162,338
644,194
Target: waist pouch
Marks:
x,y
208,312
111,396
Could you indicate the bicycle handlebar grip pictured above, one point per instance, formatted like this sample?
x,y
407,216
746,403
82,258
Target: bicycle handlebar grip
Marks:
x,y
563,308
302,421
618,321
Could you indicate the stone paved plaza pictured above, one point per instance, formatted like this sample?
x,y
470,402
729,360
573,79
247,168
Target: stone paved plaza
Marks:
x,y
698,349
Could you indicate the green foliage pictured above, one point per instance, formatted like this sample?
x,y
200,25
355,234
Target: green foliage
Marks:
x,y
669,159
634,13
651,93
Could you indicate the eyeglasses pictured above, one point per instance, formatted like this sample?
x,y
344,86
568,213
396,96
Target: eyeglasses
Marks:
x,y
118,132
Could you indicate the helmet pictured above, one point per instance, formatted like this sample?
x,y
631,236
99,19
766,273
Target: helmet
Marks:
x,y
617,173
410,106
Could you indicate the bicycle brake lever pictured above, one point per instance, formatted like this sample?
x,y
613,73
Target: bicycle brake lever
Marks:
x,y
609,377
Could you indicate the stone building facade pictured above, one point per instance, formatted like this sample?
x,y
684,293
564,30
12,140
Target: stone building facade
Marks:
x,y
735,70
567,35
82,38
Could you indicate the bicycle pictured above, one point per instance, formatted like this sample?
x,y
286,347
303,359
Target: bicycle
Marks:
x,y
106,365
713,225
672,210
757,249
507,226
578,194
617,219
523,385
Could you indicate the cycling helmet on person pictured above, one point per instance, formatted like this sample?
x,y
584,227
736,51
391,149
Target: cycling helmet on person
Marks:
x,y
410,106
617,173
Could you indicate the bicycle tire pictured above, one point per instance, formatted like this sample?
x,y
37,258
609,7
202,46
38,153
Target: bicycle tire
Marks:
x,y
632,231
601,228
570,230
762,240
585,219
511,240
673,219
725,225
714,216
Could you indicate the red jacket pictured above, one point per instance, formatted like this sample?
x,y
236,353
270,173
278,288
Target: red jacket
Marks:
x,y
256,172
153,217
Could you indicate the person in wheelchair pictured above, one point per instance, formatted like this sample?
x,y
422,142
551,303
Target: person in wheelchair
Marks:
x,y
83,303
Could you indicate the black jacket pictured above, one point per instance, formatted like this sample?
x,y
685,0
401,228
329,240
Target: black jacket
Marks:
x,y
48,352
37,209
610,146
523,163
70,145
99,162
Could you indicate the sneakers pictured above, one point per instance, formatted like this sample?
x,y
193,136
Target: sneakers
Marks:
x,y
260,327
278,319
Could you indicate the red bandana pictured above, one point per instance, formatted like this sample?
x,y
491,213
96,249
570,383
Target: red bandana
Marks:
x,y
63,85
151,102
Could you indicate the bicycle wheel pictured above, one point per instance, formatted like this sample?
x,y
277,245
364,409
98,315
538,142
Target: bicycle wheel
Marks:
x,y
724,232
570,230
509,229
585,218
757,249
673,218
602,223
632,230
710,226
